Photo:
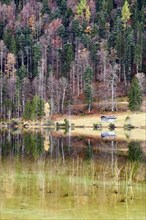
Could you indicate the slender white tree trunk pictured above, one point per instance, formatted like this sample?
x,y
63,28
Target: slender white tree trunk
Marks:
x,y
112,88
63,98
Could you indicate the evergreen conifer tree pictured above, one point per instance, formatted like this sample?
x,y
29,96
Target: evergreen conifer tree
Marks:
x,y
22,72
135,95
34,109
7,2
37,107
45,7
28,110
67,57
88,76
13,46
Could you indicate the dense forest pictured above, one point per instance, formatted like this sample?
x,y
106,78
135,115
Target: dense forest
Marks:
x,y
68,52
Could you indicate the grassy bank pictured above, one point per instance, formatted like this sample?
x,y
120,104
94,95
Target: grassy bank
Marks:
x,y
136,119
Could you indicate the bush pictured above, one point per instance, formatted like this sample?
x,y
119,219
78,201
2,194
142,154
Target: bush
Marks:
x,y
128,127
127,119
49,123
97,126
111,126
13,124
66,122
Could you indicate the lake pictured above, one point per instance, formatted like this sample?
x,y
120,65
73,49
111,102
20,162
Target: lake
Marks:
x,y
54,175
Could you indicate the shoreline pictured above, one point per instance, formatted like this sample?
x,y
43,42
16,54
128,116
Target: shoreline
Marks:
x,y
6,126
137,120
119,133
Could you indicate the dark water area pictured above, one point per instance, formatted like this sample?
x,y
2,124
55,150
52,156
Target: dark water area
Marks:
x,y
46,175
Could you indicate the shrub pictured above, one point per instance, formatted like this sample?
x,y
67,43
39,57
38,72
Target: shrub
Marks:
x,y
97,126
111,126
128,127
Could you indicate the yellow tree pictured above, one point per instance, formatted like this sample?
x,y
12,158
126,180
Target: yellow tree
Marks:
x,y
10,65
2,56
47,110
83,10
32,24
10,73
125,13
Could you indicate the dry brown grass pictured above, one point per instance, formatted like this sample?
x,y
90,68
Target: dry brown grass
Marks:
x,y
137,119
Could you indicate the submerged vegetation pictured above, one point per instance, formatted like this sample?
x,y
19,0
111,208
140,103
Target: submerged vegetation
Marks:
x,y
70,177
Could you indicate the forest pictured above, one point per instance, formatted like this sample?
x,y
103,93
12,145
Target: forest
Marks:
x,y
67,52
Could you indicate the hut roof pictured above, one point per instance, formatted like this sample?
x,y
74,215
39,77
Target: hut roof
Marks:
x,y
108,116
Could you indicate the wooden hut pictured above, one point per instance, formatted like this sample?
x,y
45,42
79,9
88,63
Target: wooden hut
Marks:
x,y
108,118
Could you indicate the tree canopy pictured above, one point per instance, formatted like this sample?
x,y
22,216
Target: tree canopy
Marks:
x,y
47,47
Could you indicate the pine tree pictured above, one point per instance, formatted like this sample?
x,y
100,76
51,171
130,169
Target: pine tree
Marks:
x,y
128,52
76,28
34,109
36,56
66,57
62,5
139,45
40,111
88,76
138,56
13,46
7,38
1,29
61,31
135,95
7,2
134,151
107,6
22,72
37,107
28,110
45,7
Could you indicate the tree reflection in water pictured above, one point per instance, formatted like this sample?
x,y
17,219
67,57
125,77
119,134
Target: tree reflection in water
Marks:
x,y
39,171
135,157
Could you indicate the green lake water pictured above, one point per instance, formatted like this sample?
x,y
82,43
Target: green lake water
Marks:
x,y
48,176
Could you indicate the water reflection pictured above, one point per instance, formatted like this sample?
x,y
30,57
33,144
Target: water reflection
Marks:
x,y
51,176
132,167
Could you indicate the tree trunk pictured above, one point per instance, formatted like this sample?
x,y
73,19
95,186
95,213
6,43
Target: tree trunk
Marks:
x,y
89,107
1,92
63,98
78,85
112,88
125,80
104,68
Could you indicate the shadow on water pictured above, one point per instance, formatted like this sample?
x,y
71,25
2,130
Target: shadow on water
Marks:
x,y
62,177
